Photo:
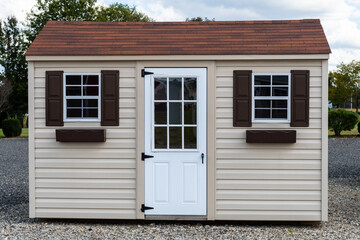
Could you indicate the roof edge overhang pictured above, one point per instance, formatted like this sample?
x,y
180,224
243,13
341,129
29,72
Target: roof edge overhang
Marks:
x,y
177,57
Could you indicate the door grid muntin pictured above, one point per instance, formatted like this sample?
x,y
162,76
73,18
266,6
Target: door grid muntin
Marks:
x,y
167,101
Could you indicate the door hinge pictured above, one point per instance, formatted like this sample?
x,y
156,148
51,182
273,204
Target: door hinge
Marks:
x,y
143,208
143,73
144,156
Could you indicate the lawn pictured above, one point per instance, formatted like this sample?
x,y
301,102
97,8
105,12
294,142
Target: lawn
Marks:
x,y
354,131
24,133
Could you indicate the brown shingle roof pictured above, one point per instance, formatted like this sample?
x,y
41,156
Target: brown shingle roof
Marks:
x,y
181,38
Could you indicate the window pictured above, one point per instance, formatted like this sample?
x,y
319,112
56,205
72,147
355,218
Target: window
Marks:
x,y
81,97
175,113
271,98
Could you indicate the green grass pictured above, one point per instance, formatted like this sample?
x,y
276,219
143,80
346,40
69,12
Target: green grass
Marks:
x,y
24,133
354,131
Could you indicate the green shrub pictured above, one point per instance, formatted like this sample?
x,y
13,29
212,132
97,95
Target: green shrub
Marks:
x,y
341,120
11,127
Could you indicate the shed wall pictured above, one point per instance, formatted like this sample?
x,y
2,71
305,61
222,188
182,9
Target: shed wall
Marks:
x,y
86,180
267,181
253,181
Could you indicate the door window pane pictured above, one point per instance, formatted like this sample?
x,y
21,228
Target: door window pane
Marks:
x,y
262,91
175,89
189,113
280,91
160,113
175,137
262,113
262,80
175,113
73,80
190,138
160,137
189,88
160,88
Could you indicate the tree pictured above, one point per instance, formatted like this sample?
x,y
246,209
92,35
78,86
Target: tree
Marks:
x,y
341,120
77,10
340,88
58,10
5,91
345,83
118,12
199,19
12,58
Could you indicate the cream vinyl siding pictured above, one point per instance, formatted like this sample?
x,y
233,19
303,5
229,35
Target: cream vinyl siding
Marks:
x,y
245,181
267,181
86,180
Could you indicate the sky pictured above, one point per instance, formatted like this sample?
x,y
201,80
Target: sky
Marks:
x,y
340,18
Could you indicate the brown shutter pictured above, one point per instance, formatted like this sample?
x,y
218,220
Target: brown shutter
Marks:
x,y
109,98
54,98
242,98
299,98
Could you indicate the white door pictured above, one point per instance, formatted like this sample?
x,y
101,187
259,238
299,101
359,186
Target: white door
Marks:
x,y
175,135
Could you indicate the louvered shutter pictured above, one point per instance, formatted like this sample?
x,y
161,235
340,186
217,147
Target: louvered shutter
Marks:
x,y
242,98
54,98
299,98
109,98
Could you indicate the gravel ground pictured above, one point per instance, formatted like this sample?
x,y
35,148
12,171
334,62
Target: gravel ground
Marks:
x,y
344,208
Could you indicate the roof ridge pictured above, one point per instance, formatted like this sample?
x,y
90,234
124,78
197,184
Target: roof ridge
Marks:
x,y
189,23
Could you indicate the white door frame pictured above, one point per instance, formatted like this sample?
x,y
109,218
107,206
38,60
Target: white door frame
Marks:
x,y
200,73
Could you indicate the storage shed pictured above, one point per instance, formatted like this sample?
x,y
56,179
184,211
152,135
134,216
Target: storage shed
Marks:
x,y
179,120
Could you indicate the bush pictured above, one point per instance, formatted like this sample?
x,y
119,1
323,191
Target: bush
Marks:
x,y
11,127
342,120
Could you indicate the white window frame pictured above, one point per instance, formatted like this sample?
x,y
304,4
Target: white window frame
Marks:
x,y
66,119
264,120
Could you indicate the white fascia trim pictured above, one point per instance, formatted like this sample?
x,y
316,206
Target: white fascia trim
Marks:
x,y
177,57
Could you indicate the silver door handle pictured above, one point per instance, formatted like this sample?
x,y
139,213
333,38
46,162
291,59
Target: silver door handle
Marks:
x,y
202,158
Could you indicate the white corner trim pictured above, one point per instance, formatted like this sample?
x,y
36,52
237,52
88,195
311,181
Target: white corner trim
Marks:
x,y
324,141
31,110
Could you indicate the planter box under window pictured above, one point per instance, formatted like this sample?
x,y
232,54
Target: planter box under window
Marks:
x,y
80,135
271,136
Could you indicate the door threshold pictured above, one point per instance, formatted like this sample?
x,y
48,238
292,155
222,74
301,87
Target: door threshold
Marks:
x,y
177,217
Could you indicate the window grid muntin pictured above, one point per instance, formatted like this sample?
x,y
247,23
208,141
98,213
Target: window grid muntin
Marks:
x,y
66,98
168,125
287,98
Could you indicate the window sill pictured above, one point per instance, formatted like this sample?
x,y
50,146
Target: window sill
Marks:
x,y
82,120
270,121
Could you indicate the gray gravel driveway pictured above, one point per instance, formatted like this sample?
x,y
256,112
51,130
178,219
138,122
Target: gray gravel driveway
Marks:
x,y
344,208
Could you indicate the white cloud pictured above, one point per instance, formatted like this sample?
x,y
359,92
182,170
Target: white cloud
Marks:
x,y
340,18
160,13
18,8
345,55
